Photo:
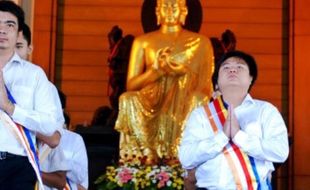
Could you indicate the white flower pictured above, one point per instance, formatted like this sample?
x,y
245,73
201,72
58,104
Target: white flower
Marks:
x,y
169,183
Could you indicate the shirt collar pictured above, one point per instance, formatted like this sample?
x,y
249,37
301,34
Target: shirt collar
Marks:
x,y
248,100
15,59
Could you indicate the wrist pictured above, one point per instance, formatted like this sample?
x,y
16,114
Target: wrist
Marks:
x,y
9,108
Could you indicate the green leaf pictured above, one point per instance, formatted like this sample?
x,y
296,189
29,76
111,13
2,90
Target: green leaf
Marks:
x,y
111,185
100,179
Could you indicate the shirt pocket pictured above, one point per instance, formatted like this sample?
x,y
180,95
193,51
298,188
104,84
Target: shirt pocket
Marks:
x,y
253,128
23,96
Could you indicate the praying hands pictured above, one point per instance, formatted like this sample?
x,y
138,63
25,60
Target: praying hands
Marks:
x,y
5,103
231,126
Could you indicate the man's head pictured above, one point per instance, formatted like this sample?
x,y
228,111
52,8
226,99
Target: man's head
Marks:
x,y
171,12
23,45
11,21
235,68
15,10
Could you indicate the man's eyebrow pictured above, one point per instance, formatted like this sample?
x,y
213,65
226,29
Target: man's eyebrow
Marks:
x,y
224,63
11,22
239,61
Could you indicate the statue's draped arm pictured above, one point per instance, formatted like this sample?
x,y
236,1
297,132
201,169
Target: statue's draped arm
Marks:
x,y
138,77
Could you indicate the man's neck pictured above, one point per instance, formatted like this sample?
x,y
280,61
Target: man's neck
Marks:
x,y
234,96
5,56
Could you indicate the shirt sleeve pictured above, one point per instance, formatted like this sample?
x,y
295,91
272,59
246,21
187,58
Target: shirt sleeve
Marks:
x,y
46,114
272,145
199,143
56,160
78,164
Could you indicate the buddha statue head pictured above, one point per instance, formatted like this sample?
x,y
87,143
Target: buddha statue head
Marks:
x,y
171,12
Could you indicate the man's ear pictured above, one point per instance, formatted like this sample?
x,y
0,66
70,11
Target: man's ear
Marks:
x,y
216,87
30,48
251,80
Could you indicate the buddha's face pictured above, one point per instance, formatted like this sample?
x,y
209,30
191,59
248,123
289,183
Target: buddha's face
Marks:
x,y
171,12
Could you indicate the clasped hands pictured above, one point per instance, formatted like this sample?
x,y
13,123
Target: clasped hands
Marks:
x,y
5,103
231,125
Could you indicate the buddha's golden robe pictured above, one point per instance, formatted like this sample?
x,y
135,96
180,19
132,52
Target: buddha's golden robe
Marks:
x,y
151,119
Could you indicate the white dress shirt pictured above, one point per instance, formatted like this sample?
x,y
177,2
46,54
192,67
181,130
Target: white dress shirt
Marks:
x,y
263,136
76,156
36,107
59,114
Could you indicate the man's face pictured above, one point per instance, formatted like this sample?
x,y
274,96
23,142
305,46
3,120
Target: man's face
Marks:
x,y
234,72
8,30
169,12
22,47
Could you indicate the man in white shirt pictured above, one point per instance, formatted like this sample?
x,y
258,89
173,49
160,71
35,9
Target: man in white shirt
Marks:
x,y
54,165
66,164
75,153
232,142
23,49
58,167
26,97
63,164
23,46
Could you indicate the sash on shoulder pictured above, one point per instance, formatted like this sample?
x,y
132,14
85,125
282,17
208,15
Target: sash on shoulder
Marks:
x,y
24,138
242,166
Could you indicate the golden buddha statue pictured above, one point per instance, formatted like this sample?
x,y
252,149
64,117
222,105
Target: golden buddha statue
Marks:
x,y
169,74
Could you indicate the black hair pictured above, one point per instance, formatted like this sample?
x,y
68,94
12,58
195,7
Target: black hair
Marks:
x,y
11,7
101,116
229,40
63,98
248,59
67,119
218,48
26,33
116,33
63,101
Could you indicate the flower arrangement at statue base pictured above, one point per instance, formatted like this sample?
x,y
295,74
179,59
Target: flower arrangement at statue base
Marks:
x,y
167,175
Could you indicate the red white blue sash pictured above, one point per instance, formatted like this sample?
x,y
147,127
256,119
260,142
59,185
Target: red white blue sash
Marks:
x,y
242,165
23,135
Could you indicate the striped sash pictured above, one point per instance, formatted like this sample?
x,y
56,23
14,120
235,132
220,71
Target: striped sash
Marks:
x,y
44,151
241,165
24,137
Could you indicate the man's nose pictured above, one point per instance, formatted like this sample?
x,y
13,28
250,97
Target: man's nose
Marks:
x,y
232,70
2,28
